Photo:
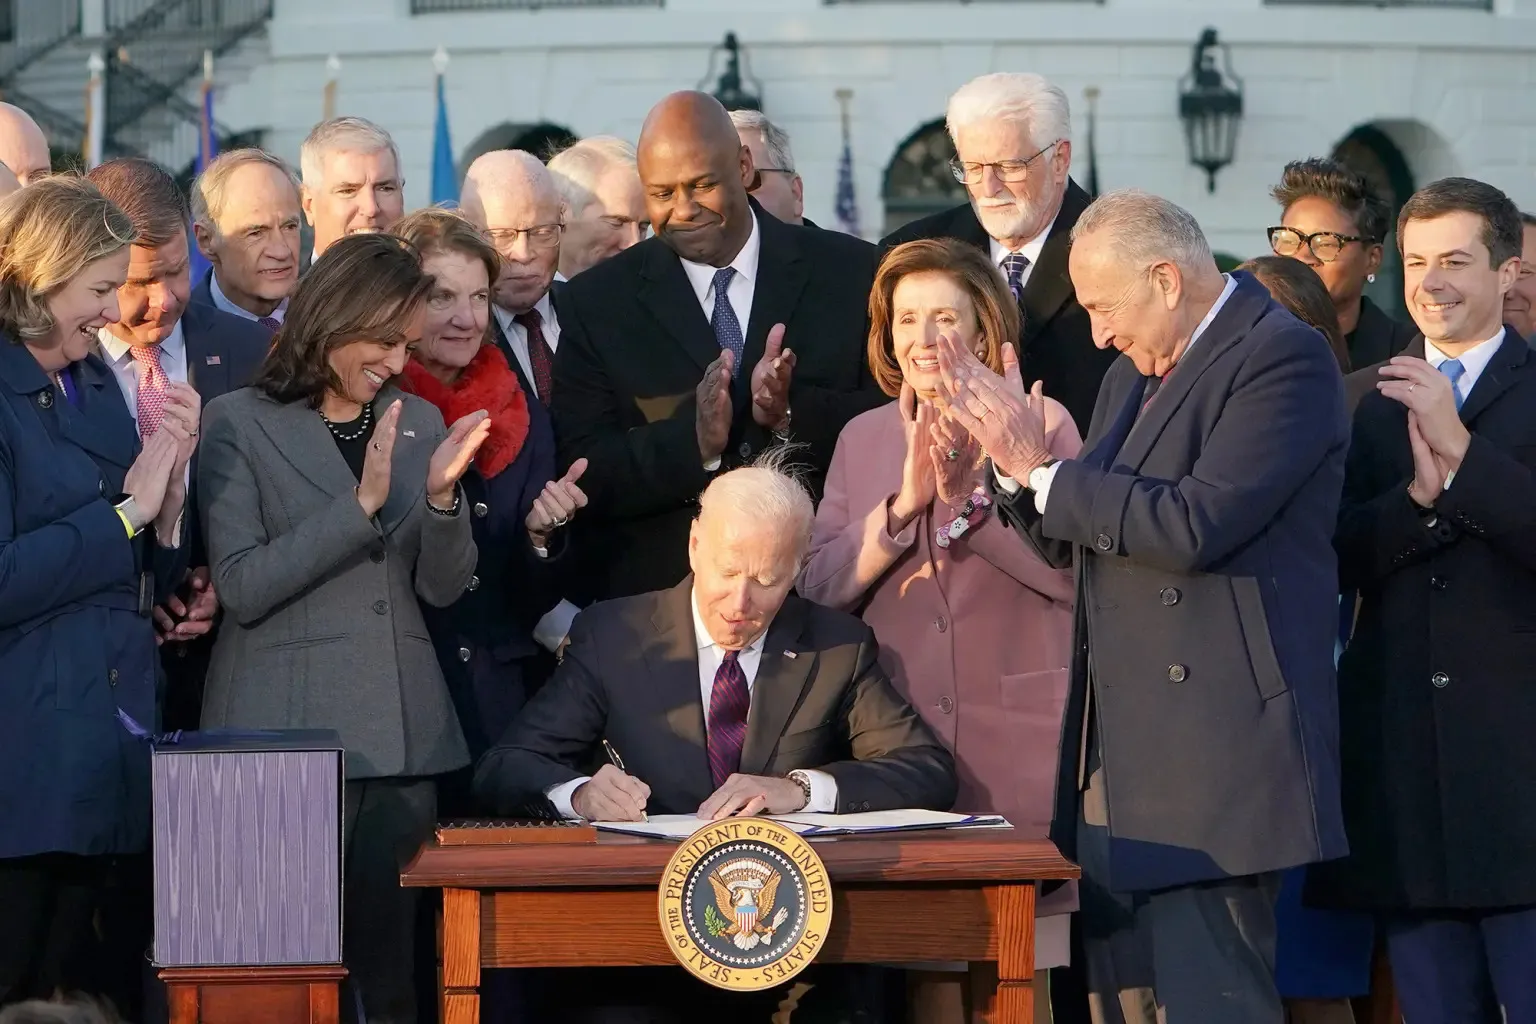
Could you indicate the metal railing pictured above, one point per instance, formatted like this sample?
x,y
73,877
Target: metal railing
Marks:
x,y
443,6
1466,5
39,29
839,3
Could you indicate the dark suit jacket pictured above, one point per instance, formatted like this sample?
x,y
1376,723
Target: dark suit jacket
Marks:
x,y
1376,337
202,295
634,343
631,676
1207,603
1436,704
1056,342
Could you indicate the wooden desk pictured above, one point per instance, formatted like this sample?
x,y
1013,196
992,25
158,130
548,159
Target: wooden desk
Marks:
x,y
897,898
254,995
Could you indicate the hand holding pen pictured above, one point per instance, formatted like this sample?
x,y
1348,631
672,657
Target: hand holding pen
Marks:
x,y
611,794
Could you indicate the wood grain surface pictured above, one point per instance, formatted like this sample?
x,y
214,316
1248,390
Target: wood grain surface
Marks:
x,y
306,994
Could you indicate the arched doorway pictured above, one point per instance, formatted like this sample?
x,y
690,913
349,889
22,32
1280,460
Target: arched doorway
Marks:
x,y
1369,151
543,139
917,180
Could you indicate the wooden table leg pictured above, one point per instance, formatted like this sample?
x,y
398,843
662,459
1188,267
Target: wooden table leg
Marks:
x,y
461,956
1008,996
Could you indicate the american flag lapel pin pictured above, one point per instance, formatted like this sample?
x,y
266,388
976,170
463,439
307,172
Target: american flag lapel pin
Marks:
x,y
790,654
213,360
410,433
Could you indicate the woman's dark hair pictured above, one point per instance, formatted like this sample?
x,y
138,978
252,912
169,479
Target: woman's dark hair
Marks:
x,y
1297,287
1345,188
362,288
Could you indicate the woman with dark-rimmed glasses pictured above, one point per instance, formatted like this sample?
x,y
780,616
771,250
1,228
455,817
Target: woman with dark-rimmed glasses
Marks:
x,y
1333,221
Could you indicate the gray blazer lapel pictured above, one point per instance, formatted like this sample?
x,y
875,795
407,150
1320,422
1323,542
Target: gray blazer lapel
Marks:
x,y
782,677
416,438
301,437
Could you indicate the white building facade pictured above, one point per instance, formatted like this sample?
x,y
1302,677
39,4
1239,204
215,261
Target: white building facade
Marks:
x,y
1415,90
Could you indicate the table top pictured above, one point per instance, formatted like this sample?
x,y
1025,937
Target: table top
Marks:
x,y
618,861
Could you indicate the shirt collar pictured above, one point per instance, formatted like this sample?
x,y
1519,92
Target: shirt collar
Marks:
x,y
702,275
701,637
1030,250
228,305
117,349
1474,360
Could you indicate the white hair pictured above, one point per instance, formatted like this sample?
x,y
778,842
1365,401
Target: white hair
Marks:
x,y
775,139
1146,229
341,134
209,188
1013,96
577,167
503,171
766,492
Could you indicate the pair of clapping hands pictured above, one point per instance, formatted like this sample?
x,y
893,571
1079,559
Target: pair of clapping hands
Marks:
x,y
1436,434
611,795
769,388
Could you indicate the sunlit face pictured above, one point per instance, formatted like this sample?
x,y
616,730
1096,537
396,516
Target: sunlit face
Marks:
x,y
1131,309
360,191
1520,300
696,195
23,148
1453,294
152,298
923,306
365,366
742,571
254,246
86,304
780,190
528,264
458,310
1013,212
1345,275
613,221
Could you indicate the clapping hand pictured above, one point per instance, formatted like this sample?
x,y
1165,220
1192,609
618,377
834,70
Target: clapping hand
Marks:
x,y
917,476
712,420
454,455
373,488
1430,398
183,415
1005,419
770,382
954,454
555,505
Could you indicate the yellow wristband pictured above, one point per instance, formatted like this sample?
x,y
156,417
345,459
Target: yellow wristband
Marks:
x,y
126,524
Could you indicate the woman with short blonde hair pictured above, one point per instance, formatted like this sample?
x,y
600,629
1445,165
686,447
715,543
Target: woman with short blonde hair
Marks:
x,y
90,530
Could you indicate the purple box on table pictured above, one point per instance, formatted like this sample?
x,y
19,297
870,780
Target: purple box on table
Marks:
x,y
247,849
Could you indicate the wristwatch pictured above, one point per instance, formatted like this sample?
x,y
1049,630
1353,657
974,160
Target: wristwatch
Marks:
x,y
804,782
128,510
781,431
1034,482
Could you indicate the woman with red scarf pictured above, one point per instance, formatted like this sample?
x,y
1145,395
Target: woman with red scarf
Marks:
x,y
486,641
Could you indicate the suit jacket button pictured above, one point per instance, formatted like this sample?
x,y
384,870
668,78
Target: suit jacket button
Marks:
x,y
101,488
1170,596
474,583
946,705
1177,673
1440,680
482,509
941,624
744,450
463,653
376,555
112,676
381,607
45,399
1103,543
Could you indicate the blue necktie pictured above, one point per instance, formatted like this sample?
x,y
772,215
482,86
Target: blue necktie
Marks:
x,y
727,327
1453,371
1014,265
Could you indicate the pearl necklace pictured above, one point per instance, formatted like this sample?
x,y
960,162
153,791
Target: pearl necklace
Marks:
x,y
364,423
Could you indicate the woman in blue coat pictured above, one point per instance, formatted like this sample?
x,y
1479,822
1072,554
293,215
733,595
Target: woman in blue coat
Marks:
x,y
90,524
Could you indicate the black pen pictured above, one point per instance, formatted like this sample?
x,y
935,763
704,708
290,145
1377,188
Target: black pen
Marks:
x,y
618,762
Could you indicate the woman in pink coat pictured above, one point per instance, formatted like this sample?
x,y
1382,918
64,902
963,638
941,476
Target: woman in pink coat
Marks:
x,y
974,629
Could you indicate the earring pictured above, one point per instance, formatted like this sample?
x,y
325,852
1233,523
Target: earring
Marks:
x,y
1370,278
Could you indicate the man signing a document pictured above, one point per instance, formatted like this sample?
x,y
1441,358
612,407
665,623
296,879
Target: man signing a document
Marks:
x,y
725,695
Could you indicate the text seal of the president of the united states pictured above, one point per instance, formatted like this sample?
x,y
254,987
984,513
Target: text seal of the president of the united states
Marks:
x,y
745,903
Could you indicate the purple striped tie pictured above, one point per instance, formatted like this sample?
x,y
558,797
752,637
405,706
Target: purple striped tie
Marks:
x,y
728,701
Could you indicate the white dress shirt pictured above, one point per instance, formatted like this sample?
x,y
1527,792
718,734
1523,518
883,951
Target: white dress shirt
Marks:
x,y
119,357
1030,250
222,301
517,334
823,786
1473,362
1040,479
743,283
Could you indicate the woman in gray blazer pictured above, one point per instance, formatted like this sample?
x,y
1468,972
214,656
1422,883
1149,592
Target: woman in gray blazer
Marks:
x,y
332,503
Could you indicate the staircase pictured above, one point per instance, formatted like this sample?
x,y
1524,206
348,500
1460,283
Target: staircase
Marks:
x,y
154,61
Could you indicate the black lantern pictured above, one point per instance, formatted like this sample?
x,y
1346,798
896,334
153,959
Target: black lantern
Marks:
x,y
1210,105
731,90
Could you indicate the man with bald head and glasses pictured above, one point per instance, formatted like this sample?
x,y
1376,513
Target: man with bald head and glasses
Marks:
x,y
1012,133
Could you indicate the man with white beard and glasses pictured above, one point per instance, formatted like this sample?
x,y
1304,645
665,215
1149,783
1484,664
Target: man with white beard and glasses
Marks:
x,y
1013,136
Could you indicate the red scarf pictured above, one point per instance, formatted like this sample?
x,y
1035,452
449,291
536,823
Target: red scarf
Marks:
x,y
487,383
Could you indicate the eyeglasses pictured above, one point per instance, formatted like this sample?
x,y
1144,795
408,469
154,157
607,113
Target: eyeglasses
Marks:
x,y
540,236
1010,171
776,170
1325,245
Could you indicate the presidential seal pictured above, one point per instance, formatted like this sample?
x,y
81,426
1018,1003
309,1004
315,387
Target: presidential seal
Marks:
x,y
745,904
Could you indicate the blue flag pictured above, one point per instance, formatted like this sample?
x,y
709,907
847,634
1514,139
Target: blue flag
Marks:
x,y
207,149
445,180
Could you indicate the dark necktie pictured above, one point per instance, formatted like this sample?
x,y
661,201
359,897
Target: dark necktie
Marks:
x,y
539,356
1014,265
727,327
271,323
727,726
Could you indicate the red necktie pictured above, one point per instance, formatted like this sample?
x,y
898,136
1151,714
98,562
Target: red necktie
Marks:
x,y
152,389
539,356
728,702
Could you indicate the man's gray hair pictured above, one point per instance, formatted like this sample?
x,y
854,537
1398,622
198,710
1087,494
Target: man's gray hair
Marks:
x,y
209,188
775,139
1146,229
1025,97
343,134
577,167
768,491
